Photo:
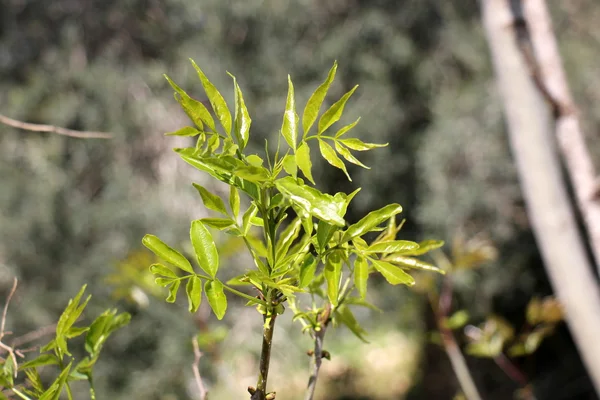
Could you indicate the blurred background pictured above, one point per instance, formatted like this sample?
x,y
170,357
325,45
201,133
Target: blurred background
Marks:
x,y
74,211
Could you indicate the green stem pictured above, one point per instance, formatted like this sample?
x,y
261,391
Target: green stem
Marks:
x,y
244,295
21,395
265,356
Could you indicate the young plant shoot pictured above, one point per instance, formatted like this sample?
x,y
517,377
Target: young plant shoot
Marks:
x,y
306,245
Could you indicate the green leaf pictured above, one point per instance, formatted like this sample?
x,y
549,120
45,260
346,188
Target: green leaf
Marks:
x,y
329,154
313,105
345,316
167,253
392,246
234,201
333,273
197,112
193,289
173,292
393,274
359,145
334,112
242,122
53,393
187,131
159,269
164,282
247,217
289,128
204,247
216,100
457,320
69,316
307,270
409,262
211,201
346,128
252,173
371,221
289,165
218,223
324,233
255,160
303,161
289,234
216,297
361,275
321,205
348,156
40,361
426,246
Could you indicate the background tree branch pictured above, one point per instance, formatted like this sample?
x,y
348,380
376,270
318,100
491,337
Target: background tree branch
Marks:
x,y
53,129
530,126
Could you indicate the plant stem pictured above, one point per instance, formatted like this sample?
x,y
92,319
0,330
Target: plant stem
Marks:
x,y
265,356
316,363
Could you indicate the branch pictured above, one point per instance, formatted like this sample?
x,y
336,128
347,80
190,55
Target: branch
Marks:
x,y
570,136
260,393
198,378
530,126
3,346
318,352
53,129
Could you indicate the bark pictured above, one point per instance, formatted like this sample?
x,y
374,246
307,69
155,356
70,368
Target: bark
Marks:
x,y
571,139
530,123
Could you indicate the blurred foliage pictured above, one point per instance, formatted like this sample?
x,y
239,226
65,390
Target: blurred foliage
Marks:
x,y
70,209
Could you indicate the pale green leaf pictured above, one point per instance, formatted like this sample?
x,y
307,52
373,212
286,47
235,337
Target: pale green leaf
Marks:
x,y
392,246
333,274
218,223
234,201
331,157
359,145
167,253
242,122
303,161
334,112
361,275
204,247
217,101
197,112
216,297
289,165
371,221
393,274
161,270
348,156
289,127
313,105
193,290
173,292
346,128
186,131
345,316
307,270
409,262
211,201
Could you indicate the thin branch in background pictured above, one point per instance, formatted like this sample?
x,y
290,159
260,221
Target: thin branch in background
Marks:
x,y
9,349
317,358
457,360
53,129
196,369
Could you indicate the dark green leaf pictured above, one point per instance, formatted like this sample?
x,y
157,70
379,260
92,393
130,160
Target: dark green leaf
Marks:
x,y
329,155
187,131
167,253
242,122
333,273
211,201
371,221
307,270
334,112
289,128
216,297
359,145
361,275
311,111
303,161
216,100
325,231
393,274
204,247
193,289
